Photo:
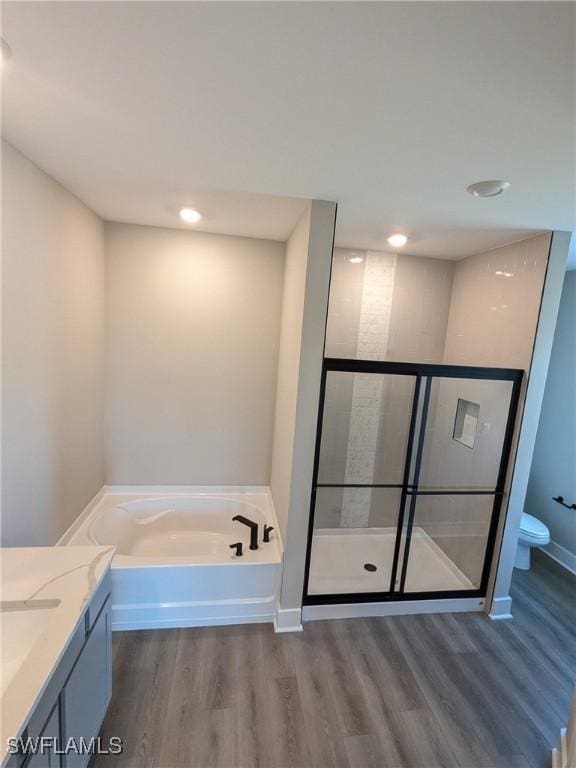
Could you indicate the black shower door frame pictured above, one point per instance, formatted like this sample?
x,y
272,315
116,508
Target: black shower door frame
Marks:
x,y
423,374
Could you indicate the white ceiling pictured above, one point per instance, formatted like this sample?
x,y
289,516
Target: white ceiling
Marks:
x,y
390,109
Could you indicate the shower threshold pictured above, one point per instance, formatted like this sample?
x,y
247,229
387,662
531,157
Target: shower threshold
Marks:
x,y
339,557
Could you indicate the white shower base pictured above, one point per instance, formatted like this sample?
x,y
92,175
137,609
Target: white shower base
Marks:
x,y
339,555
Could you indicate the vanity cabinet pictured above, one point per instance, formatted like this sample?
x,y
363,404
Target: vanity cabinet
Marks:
x,y
87,692
77,695
49,759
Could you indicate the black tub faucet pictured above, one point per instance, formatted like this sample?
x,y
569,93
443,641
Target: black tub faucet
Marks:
x,y
267,531
253,529
237,548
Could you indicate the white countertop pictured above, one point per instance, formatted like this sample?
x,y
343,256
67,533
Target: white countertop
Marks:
x,y
55,584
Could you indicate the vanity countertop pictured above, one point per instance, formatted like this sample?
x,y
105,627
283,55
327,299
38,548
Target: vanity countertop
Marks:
x,y
43,594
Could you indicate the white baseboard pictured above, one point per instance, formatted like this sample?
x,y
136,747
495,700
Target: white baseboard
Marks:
x,y
501,608
288,620
400,608
561,555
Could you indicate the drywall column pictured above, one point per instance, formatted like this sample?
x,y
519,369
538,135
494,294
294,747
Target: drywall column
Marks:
x,y
501,602
304,310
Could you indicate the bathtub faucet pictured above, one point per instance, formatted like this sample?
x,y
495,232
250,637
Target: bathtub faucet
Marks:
x,y
267,531
253,529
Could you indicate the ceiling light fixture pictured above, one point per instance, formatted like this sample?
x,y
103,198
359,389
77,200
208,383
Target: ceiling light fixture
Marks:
x,y
397,241
491,188
190,216
355,259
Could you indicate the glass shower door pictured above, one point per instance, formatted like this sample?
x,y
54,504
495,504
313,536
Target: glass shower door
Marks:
x,y
408,479
457,485
359,491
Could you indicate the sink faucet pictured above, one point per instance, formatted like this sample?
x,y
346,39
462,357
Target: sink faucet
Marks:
x,y
253,529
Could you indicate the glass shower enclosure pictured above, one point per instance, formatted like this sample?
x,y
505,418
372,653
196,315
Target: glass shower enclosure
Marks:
x,y
409,476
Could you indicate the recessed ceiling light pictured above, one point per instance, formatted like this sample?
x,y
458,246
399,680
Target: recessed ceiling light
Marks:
x,y
490,188
398,240
355,259
190,216
5,50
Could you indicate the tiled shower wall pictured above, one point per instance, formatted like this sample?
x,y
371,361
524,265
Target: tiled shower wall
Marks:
x,y
493,318
413,294
481,310
495,304
383,307
368,391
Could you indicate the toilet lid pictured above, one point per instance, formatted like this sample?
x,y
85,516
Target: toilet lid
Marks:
x,y
533,527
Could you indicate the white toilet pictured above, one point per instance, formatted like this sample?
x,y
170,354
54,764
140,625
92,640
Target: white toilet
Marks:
x,y
533,533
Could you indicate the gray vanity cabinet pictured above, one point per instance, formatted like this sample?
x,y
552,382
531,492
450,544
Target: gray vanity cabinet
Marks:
x,y
51,730
87,692
77,695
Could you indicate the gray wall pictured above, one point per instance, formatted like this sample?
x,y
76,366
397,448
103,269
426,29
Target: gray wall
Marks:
x,y
553,469
52,354
193,324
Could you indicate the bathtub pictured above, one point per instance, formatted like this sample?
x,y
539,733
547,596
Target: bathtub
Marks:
x,y
173,565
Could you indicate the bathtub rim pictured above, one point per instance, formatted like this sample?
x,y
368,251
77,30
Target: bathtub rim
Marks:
x,y
159,491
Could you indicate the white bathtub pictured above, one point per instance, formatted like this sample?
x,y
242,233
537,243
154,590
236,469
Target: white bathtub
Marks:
x,y
173,565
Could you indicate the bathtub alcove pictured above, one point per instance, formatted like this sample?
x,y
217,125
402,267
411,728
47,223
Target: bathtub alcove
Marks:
x,y
213,358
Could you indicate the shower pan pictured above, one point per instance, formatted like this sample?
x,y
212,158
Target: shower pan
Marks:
x,y
409,478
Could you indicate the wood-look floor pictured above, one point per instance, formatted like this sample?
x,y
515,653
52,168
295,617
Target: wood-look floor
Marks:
x,y
426,691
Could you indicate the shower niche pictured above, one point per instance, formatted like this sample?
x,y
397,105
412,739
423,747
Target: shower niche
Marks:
x,y
466,422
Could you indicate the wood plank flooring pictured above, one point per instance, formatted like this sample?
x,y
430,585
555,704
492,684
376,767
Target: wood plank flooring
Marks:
x,y
412,692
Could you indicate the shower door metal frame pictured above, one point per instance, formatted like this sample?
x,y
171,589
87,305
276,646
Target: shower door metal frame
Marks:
x,y
421,372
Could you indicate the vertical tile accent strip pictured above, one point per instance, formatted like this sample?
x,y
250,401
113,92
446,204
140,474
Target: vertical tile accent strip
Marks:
x,y
369,389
